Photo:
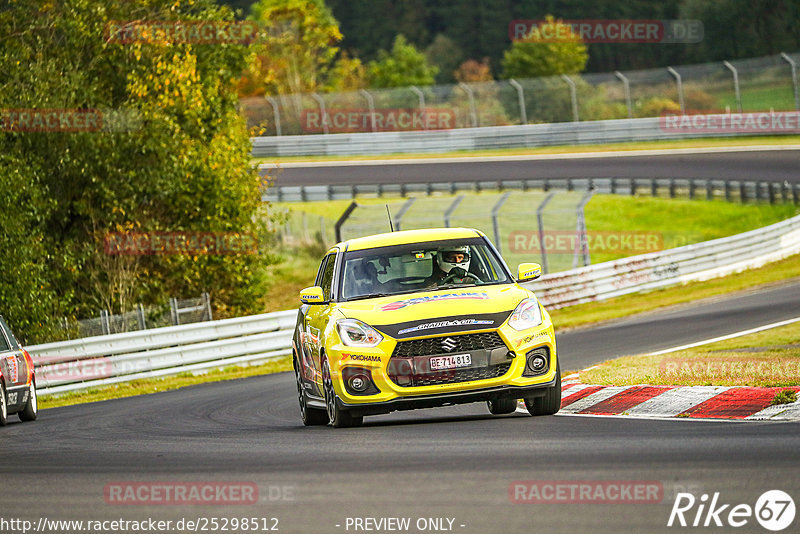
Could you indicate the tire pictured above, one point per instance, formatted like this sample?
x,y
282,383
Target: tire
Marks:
x,y
3,405
31,408
502,406
551,402
310,416
337,417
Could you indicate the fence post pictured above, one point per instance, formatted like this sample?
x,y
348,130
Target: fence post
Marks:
x,y
582,247
793,65
471,96
653,187
416,90
523,115
627,86
324,113
450,209
173,311
402,211
540,225
371,105
573,95
105,324
679,83
140,317
735,84
495,223
276,114
709,190
338,226
207,304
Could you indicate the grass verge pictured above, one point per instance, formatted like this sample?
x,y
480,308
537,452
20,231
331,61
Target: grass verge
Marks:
x,y
155,385
565,149
770,358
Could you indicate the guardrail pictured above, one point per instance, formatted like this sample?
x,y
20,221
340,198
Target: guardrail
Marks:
x,y
103,360
730,190
490,137
700,261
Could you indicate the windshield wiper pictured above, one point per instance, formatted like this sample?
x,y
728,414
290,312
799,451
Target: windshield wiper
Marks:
x,y
370,296
454,286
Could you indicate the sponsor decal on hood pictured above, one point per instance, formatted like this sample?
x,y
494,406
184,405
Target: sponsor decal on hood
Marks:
x,y
445,324
433,298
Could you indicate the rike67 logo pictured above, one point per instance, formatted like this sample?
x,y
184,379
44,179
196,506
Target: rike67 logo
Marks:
x,y
774,510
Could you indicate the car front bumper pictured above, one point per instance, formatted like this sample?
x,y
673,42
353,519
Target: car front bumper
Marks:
x,y
446,399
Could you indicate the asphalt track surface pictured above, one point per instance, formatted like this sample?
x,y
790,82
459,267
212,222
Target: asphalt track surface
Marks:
x,y
767,164
452,462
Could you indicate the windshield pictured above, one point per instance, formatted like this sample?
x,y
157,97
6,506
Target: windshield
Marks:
x,y
420,266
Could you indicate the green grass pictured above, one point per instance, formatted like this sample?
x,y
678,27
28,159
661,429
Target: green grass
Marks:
x,y
770,358
565,149
155,385
778,97
787,396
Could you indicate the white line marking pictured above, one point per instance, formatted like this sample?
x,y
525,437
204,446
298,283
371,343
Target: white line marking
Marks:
x,y
629,417
529,157
723,338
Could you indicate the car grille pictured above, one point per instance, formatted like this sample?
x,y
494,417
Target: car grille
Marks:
x,y
461,375
438,345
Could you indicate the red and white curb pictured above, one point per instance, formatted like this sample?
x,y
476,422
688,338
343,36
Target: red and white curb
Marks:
x,y
695,402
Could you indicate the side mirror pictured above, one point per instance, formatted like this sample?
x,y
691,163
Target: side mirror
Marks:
x,y
528,271
312,295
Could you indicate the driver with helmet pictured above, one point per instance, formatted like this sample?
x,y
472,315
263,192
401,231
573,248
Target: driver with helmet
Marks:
x,y
451,267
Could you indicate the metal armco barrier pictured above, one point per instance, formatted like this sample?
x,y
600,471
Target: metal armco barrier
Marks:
x,y
700,261
103,360
731,190
491,137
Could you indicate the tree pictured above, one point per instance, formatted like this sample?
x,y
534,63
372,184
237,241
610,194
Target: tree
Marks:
x,y
401,67
541,56
179,162
445,54
296,49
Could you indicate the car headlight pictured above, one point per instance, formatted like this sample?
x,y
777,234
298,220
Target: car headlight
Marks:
x,y
354,333
527,315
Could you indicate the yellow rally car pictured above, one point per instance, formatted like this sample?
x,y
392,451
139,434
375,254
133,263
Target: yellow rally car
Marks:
x,y
418,319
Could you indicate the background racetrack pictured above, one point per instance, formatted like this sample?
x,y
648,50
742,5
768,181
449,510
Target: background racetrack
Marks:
x,y
762,163
455,462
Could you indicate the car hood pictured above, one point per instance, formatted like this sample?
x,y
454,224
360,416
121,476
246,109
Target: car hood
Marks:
x,y
435,312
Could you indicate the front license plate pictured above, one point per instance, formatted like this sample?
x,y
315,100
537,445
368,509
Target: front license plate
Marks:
x,y
451,362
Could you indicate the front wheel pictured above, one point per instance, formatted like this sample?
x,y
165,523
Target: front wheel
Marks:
x,y
3,405
310,416
551,402
337,417
502,406
31,408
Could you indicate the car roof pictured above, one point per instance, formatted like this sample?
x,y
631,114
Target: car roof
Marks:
x,y
408,236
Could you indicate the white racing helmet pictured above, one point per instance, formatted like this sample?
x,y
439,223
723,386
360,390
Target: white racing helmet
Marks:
x,y
447,256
